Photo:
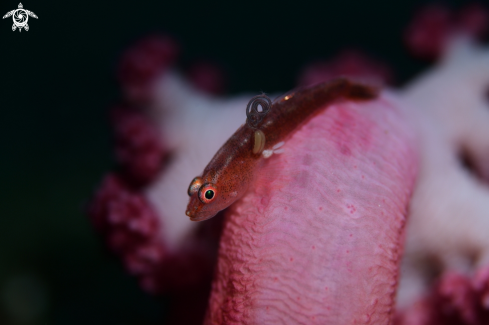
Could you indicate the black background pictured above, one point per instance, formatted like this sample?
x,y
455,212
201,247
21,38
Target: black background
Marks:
x,y
56,84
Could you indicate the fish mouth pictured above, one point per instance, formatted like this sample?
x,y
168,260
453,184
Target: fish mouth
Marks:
x,y
196,219
196,214
200,217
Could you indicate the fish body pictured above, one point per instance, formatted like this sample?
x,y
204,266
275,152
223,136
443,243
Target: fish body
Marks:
x,y
232,169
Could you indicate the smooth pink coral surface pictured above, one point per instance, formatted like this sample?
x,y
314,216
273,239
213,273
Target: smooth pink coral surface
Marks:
x,y
319,238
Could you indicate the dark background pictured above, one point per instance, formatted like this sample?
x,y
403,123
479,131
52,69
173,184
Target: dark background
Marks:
x,y
56,84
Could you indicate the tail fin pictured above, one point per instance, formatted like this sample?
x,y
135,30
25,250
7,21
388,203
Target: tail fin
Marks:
x,y
356,90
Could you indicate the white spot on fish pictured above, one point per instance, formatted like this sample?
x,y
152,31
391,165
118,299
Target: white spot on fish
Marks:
x,y
267,153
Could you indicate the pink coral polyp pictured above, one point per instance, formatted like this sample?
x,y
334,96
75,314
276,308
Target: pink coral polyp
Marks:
x,y
318,239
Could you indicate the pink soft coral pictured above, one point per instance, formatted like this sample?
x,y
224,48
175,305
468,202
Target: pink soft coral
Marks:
x,y
319,238
286,252
448,222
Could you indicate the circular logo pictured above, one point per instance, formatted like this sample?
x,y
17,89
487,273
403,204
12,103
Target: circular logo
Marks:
x,y
20,17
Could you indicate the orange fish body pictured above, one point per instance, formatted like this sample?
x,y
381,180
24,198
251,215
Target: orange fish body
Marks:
x,y
231,171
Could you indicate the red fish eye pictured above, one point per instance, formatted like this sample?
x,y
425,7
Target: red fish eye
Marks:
x,y
207,193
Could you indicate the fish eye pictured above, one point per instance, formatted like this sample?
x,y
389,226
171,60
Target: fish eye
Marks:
x,y
194,186
207,193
